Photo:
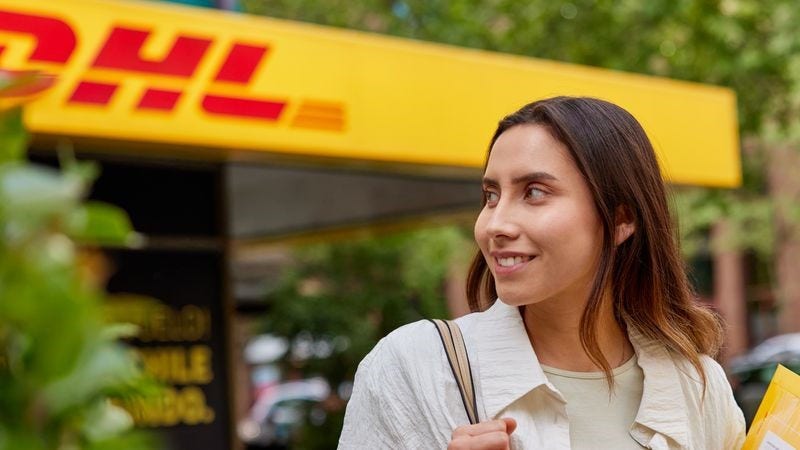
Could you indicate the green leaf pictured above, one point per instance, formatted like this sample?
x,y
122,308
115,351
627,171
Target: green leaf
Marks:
x,y
13,138
100,223
31,191
101,367
106,420
85,171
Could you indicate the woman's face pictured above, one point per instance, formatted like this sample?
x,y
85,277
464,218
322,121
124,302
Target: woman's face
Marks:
x,y
539,231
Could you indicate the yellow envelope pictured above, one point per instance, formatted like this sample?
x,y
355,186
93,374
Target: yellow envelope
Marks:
x,y
777,422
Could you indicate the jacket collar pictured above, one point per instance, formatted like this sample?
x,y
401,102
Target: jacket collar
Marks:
x,y
663,409
508,369
507,364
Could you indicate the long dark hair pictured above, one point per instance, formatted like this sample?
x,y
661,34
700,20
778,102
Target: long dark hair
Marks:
x,y
645,274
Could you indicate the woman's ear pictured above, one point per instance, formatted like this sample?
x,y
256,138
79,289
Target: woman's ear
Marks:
x,y
624,226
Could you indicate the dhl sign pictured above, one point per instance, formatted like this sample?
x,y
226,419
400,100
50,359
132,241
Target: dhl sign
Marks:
x,y
121,52
166,74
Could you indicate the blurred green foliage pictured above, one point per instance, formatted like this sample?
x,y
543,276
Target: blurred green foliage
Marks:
x,y
360,290
61,365
348,294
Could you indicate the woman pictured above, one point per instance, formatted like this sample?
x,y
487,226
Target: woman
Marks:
x,y
595,340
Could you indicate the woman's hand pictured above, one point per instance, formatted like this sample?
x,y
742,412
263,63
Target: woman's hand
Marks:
x,y
490,435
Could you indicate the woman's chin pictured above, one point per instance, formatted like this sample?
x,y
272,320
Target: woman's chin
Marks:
x,y
516,298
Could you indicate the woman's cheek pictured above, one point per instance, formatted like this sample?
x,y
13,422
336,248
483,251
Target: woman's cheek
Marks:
x,y
479,230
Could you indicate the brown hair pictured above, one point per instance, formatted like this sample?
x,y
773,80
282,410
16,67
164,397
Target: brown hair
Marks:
x,y
645,274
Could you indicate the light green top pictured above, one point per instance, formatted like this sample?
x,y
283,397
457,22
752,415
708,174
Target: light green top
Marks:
x,y
597,420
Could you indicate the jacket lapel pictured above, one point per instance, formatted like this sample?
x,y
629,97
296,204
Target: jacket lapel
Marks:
x,y
663,410
507,364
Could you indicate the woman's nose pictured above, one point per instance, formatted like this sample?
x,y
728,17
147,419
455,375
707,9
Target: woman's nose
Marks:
x,y
502,224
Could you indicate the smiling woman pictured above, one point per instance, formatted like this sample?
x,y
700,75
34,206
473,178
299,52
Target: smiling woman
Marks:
x,y
538,231
585,332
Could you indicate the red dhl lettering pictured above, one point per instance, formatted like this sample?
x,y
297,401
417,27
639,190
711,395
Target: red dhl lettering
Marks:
x,y
55,40
121,52
123,46
160,99
241,63
93,93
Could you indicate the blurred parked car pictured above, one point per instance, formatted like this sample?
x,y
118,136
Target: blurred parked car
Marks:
x,y
752,372
280,411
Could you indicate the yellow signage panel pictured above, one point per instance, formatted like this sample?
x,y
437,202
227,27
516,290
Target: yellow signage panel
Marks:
x,y
169,74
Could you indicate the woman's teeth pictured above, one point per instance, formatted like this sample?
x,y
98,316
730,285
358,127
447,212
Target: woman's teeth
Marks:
x,y
511,261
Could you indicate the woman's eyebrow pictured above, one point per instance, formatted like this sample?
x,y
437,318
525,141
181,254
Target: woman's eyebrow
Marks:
x,y
527,178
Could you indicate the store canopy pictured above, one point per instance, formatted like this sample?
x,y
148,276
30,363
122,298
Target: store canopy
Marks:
x,y
161,78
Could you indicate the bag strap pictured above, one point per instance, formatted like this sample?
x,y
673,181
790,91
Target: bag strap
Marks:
x,y
456,351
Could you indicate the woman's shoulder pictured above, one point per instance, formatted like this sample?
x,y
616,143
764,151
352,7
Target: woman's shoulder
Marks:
x,y
411,333
713,375
408,366
398,398
406,346
722,418
413,351
703,384
419,339
657,354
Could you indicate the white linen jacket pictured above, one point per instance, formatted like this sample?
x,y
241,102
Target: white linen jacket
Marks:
x,y
405,396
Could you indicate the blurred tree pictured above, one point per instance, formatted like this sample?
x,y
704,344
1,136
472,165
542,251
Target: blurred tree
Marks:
x,y
340,298
60,364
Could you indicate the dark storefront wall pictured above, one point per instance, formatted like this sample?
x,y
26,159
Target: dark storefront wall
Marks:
x,y
182,341
181,268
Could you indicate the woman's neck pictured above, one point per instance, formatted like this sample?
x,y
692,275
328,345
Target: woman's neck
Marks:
x,y
554,332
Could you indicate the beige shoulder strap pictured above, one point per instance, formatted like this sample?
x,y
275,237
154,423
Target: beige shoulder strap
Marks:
x,y
456,351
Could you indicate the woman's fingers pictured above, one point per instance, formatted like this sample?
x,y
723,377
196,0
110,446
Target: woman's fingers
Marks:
x,y
489,435
494,440
481,428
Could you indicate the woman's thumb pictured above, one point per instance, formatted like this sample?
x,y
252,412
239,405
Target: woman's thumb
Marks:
x,y
511,424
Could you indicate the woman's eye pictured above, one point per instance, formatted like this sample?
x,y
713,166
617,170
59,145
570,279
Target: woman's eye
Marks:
x,y
534,193
490,197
